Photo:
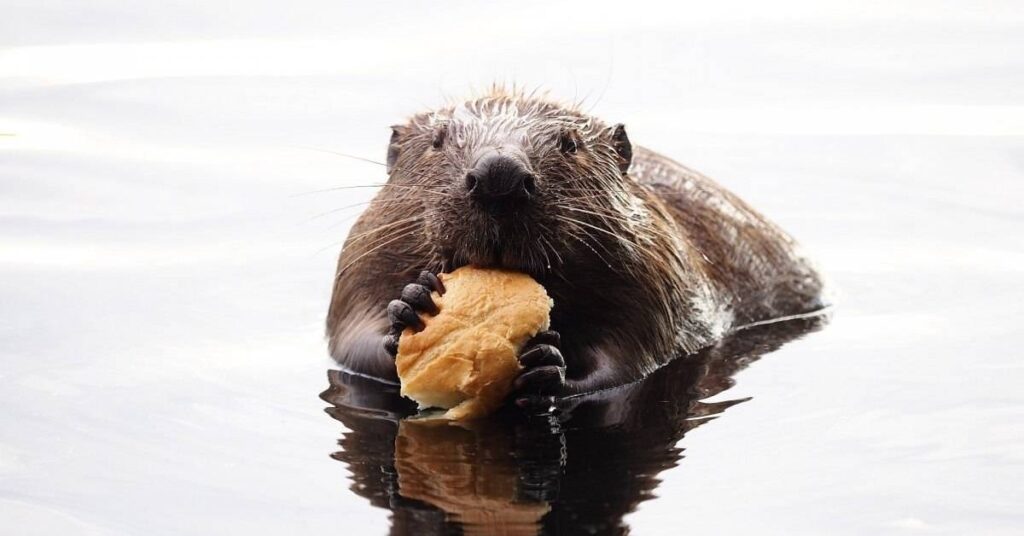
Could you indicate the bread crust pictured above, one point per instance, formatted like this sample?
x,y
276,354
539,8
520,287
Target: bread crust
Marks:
x,y
466,357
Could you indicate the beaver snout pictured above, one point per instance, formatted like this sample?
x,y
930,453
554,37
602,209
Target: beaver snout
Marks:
x,y
499,180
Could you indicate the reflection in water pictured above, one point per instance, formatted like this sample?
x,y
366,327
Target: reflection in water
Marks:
x,y
579,470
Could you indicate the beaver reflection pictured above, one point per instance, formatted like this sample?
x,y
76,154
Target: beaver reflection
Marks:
x,y
579,470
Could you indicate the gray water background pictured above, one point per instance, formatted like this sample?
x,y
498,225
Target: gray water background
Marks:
x,y
165,268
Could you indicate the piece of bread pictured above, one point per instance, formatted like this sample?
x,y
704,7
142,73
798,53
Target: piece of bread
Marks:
x,y
466,357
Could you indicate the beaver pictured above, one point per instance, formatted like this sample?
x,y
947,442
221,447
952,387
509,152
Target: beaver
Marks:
x,y
644,258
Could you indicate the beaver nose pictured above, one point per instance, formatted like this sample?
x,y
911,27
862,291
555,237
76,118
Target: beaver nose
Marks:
x,y
500,178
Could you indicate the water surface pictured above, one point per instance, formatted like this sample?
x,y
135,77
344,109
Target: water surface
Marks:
x,y
165,269
577,468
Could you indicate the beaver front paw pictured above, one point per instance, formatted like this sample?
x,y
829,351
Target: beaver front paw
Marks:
x,y
405,311
543,374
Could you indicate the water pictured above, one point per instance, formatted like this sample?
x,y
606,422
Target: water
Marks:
x,y
577,470
165,270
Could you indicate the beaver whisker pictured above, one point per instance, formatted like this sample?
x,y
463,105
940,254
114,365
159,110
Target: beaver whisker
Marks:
x,y
339,209
335,188
540,247
576,237
545,239
619,224
573,225
349,240
373,185
394,239
346,155
592,194
364,159
381,203
599,192
625,241
618,218
547,259
633,248
364,234
377,204
387,239
415,187
602,215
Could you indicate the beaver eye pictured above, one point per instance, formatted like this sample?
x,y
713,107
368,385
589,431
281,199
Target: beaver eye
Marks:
x,y
440,133
568,143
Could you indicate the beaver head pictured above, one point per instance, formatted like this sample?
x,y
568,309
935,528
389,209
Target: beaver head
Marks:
x,y
515,181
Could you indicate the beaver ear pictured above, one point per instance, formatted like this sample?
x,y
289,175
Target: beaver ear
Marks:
x,y
623,149
396,138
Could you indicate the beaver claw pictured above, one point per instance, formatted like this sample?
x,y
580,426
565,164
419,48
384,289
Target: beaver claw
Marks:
x,y
543,371
405,311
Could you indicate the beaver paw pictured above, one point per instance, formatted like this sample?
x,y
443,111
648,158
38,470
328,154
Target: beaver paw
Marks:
x,y
405,311
543,372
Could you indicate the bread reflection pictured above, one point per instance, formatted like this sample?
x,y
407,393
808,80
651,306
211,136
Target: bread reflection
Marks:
x,y
468,472
579,470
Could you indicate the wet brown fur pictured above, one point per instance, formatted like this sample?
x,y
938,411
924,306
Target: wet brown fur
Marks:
x,y
642,266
